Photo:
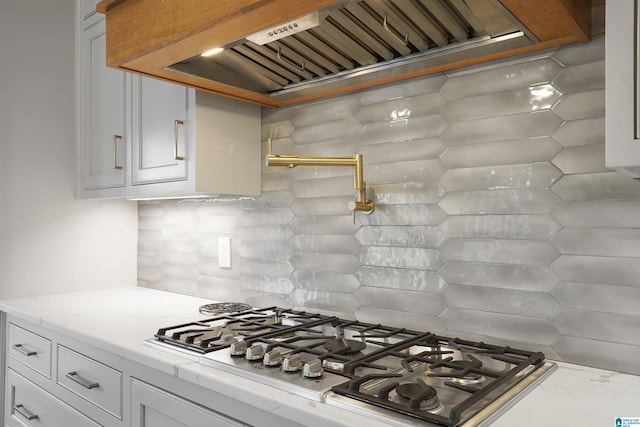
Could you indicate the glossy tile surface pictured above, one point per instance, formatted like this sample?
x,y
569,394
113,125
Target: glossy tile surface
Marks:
x,y
495,216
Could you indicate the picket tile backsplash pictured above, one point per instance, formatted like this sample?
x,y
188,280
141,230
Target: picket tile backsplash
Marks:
x,y
495,216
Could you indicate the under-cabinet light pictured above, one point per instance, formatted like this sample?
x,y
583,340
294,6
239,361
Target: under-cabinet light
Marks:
x,y
211,52
147,199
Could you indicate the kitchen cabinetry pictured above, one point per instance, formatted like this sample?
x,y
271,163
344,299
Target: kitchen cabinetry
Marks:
x,y
159,132
29,405
141,137
101,111
186,142
153,407
52,380
50,384
622,74
91,380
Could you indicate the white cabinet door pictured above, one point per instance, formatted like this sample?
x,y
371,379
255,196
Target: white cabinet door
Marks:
x,y
622,74
101,114
152,407
29,405
160,135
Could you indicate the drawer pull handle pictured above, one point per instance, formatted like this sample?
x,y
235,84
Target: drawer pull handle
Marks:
x,y
177,124
73,376
19,408
116,138
20,349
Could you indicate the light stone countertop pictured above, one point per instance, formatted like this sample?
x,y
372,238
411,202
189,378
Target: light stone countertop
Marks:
x,y
119,320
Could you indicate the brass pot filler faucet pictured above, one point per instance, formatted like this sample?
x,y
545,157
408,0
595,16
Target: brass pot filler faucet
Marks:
x,y
289,161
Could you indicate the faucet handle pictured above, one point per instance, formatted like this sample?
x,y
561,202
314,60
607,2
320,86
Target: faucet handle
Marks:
x,y
352,207
367,207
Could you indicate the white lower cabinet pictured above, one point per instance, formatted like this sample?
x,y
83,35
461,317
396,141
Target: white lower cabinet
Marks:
x,y
53,380
30,405
30,349
153,407
91,380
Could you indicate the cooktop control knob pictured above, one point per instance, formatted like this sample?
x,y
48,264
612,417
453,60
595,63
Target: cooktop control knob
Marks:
x,y
292,363
313,369
255,352
272,358
238,348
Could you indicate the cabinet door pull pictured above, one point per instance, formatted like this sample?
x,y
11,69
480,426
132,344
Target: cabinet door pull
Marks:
x,y
20,409
177,124
115,151
20,349
73,376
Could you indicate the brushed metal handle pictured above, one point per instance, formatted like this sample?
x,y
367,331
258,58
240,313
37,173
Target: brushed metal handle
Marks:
x,y
177,124
73,376
386,27
20,409
20,349
300,66
115,151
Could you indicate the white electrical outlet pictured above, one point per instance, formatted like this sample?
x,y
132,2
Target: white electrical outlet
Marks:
x,y
224,252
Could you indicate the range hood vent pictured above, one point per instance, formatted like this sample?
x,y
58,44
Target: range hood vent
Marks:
x,y
360,41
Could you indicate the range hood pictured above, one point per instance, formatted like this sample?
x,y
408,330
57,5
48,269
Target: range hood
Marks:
x,y
277,52
360,41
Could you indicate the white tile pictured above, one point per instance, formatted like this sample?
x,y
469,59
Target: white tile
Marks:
x,y
401,278
506,326
502,251
525,125
581,159
517,75
525,150
594,186
580,132
528,99
401,90
533,201
505,276
495,300
408,301
532,175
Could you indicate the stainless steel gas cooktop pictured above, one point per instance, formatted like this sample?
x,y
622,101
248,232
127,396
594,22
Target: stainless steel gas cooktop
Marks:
x,y
396,375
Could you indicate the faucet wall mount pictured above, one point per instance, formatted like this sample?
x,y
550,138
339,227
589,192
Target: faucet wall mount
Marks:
x,y
290,161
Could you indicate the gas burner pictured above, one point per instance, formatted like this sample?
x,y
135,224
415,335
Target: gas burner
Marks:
x,y
344,346
465,376
469,379
370,368
466,364
223,307
419,395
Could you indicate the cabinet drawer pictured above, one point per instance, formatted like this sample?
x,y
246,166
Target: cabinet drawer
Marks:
x,y
91,380
30,349
29,405
151,406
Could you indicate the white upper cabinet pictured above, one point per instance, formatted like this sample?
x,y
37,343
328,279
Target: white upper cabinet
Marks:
x,y
622,72
102,124
159,138
144,138
186,142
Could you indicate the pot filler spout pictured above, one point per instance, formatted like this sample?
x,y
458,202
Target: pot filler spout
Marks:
x,y
362,204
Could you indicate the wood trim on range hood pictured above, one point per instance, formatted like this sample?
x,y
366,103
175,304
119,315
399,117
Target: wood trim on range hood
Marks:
x,y
146,36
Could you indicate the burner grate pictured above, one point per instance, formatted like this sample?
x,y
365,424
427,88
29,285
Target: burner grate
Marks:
x,y
223,307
